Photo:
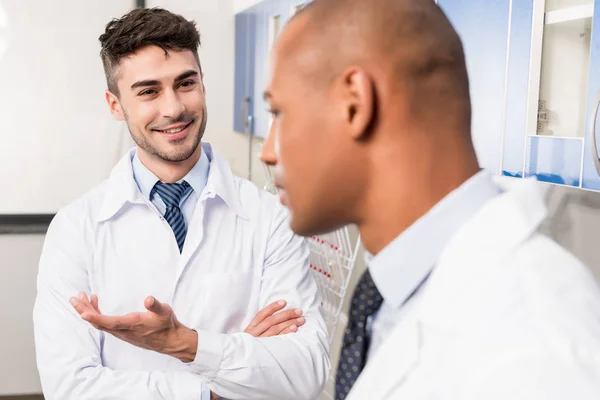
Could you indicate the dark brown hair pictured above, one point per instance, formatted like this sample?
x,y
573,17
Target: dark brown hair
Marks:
x,y
143,27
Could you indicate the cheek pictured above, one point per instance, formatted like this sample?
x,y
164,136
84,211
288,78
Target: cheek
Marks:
x,y
143,114
194,101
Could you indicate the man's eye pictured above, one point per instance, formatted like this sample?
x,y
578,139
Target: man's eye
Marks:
x,y
274,112
148,92
187,83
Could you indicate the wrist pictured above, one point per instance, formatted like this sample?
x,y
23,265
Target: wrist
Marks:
x,y
185,344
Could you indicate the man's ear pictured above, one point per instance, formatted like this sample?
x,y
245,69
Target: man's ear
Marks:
x,y
358,101
114,105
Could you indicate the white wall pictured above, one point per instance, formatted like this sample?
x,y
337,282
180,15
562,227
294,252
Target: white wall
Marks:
x,y
57,135
241,5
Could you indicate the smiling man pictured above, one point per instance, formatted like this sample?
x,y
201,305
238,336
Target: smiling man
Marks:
x,y
169,280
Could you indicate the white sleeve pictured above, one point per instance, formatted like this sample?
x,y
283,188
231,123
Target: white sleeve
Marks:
x,y
293,366
537,376
69,349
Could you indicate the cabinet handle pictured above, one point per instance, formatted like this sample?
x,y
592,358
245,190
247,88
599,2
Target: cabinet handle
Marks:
x,y
244,110
595,154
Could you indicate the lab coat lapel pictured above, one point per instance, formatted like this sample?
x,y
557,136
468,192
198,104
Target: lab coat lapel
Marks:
x,y
472,261
392,364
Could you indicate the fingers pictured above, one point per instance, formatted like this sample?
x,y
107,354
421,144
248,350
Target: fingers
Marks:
x,y
288,326
81,303
276,319
157,307
290,329
95,303
266,312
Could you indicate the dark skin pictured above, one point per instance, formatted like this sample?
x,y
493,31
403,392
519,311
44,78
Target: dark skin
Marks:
x,y
379,103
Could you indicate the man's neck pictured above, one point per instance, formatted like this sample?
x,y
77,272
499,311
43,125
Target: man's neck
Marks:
x,y
167,171
392,206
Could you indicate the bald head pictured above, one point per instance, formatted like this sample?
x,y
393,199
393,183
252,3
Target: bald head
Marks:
x,y
409,46
370,105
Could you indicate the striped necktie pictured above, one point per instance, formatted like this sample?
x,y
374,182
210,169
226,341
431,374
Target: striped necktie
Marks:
x,y
171,194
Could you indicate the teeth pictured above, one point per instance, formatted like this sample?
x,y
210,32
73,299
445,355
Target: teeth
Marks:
x,y
174,130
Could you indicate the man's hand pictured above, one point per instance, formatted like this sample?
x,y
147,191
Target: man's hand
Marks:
x,y
157,329
270,323
160,331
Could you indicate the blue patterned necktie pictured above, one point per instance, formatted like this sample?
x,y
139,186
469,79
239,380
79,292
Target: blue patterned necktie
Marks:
x,y
366,300
171,194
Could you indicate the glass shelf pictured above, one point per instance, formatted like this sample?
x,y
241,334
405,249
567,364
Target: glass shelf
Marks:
x,y
563,69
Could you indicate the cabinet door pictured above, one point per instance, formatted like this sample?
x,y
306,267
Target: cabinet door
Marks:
x,y
243,104
591,158
483,29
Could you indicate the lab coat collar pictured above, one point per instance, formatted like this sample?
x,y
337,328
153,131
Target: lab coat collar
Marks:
x,y
457,292
221,181
121,188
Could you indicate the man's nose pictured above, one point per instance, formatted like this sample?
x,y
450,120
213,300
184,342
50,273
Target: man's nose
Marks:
x,y
172,106
267,154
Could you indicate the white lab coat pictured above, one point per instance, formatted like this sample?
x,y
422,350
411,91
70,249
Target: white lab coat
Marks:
x,y
239,256
506,314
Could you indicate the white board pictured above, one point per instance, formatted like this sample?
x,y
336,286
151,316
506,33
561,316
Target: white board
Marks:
x,y
57,137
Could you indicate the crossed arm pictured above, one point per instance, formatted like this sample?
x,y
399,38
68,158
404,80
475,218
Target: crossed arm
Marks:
x,y
159,330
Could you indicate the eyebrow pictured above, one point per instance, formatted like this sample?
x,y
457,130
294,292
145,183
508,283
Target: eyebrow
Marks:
x,y
267,96
153,82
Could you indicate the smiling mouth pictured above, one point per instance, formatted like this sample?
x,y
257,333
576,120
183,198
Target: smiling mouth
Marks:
x,y
174,130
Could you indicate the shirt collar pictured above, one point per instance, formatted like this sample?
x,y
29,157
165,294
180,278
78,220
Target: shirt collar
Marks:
x,y
121,187
145,179
400,268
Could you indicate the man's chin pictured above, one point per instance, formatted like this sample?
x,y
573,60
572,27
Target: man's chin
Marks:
x,y
308,226
176,154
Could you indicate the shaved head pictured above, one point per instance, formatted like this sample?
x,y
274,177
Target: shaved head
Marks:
x,y
412,40
370,102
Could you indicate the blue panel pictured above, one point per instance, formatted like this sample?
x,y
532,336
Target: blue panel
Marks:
x,y
244,70
483,28
518,81
591,161
555,160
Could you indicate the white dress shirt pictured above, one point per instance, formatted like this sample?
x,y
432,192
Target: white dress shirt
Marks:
x,y
401,269
239,256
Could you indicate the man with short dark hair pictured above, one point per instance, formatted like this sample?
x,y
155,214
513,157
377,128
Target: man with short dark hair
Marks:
x,y
172,257
463,297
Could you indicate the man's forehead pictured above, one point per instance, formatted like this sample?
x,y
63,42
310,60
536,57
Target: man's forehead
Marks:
x,y
152,63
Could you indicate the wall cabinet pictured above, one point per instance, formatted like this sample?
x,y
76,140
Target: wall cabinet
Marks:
x,y
535,79
534,70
